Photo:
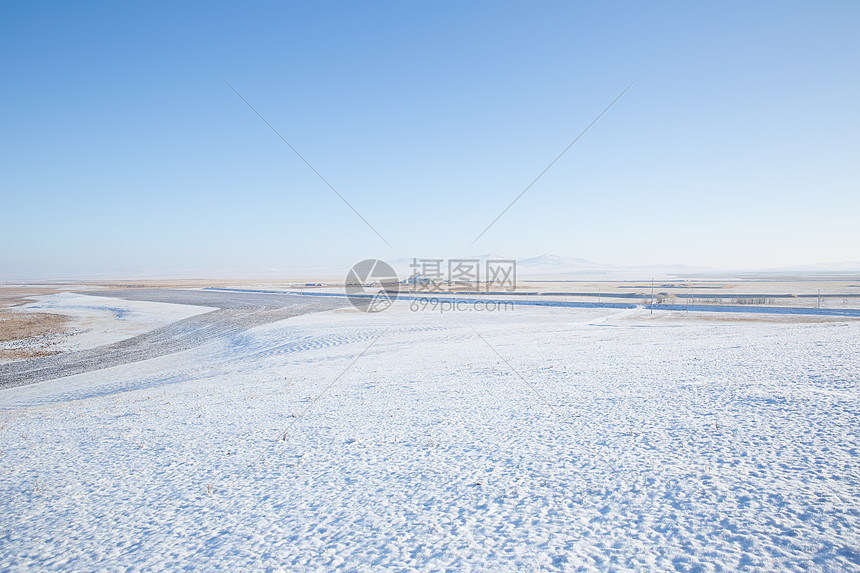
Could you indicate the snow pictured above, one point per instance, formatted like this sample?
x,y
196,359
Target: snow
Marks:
x,y
408,440
97,321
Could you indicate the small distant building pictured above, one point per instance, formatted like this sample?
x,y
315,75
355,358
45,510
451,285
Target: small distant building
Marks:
x,y
417,280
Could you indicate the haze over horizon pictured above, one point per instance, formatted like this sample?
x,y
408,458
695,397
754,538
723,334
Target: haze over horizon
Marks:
x,y
546,266
123,150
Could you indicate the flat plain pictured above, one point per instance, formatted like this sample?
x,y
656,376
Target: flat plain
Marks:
x,y
541,438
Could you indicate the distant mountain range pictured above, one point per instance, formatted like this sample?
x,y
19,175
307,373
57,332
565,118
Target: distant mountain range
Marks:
x,y
554,264
559,265
567,267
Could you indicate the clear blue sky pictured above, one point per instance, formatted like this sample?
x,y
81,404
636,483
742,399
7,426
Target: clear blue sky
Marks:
x,y
122,150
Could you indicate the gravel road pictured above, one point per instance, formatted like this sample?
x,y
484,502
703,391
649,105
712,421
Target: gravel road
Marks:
x,y
236,311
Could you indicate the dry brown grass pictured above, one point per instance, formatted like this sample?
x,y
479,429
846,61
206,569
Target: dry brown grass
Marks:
x,y
38,328
20,325
25,354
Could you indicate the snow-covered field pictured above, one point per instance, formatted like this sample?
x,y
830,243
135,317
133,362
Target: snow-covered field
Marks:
x,y
538,438
96,321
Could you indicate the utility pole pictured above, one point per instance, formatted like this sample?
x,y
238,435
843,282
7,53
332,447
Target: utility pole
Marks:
x,y
819,298
652,295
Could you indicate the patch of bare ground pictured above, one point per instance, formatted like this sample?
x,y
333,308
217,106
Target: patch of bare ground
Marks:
x,y
26,335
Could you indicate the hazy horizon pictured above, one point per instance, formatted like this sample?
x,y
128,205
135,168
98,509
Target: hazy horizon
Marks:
x,y
849,269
